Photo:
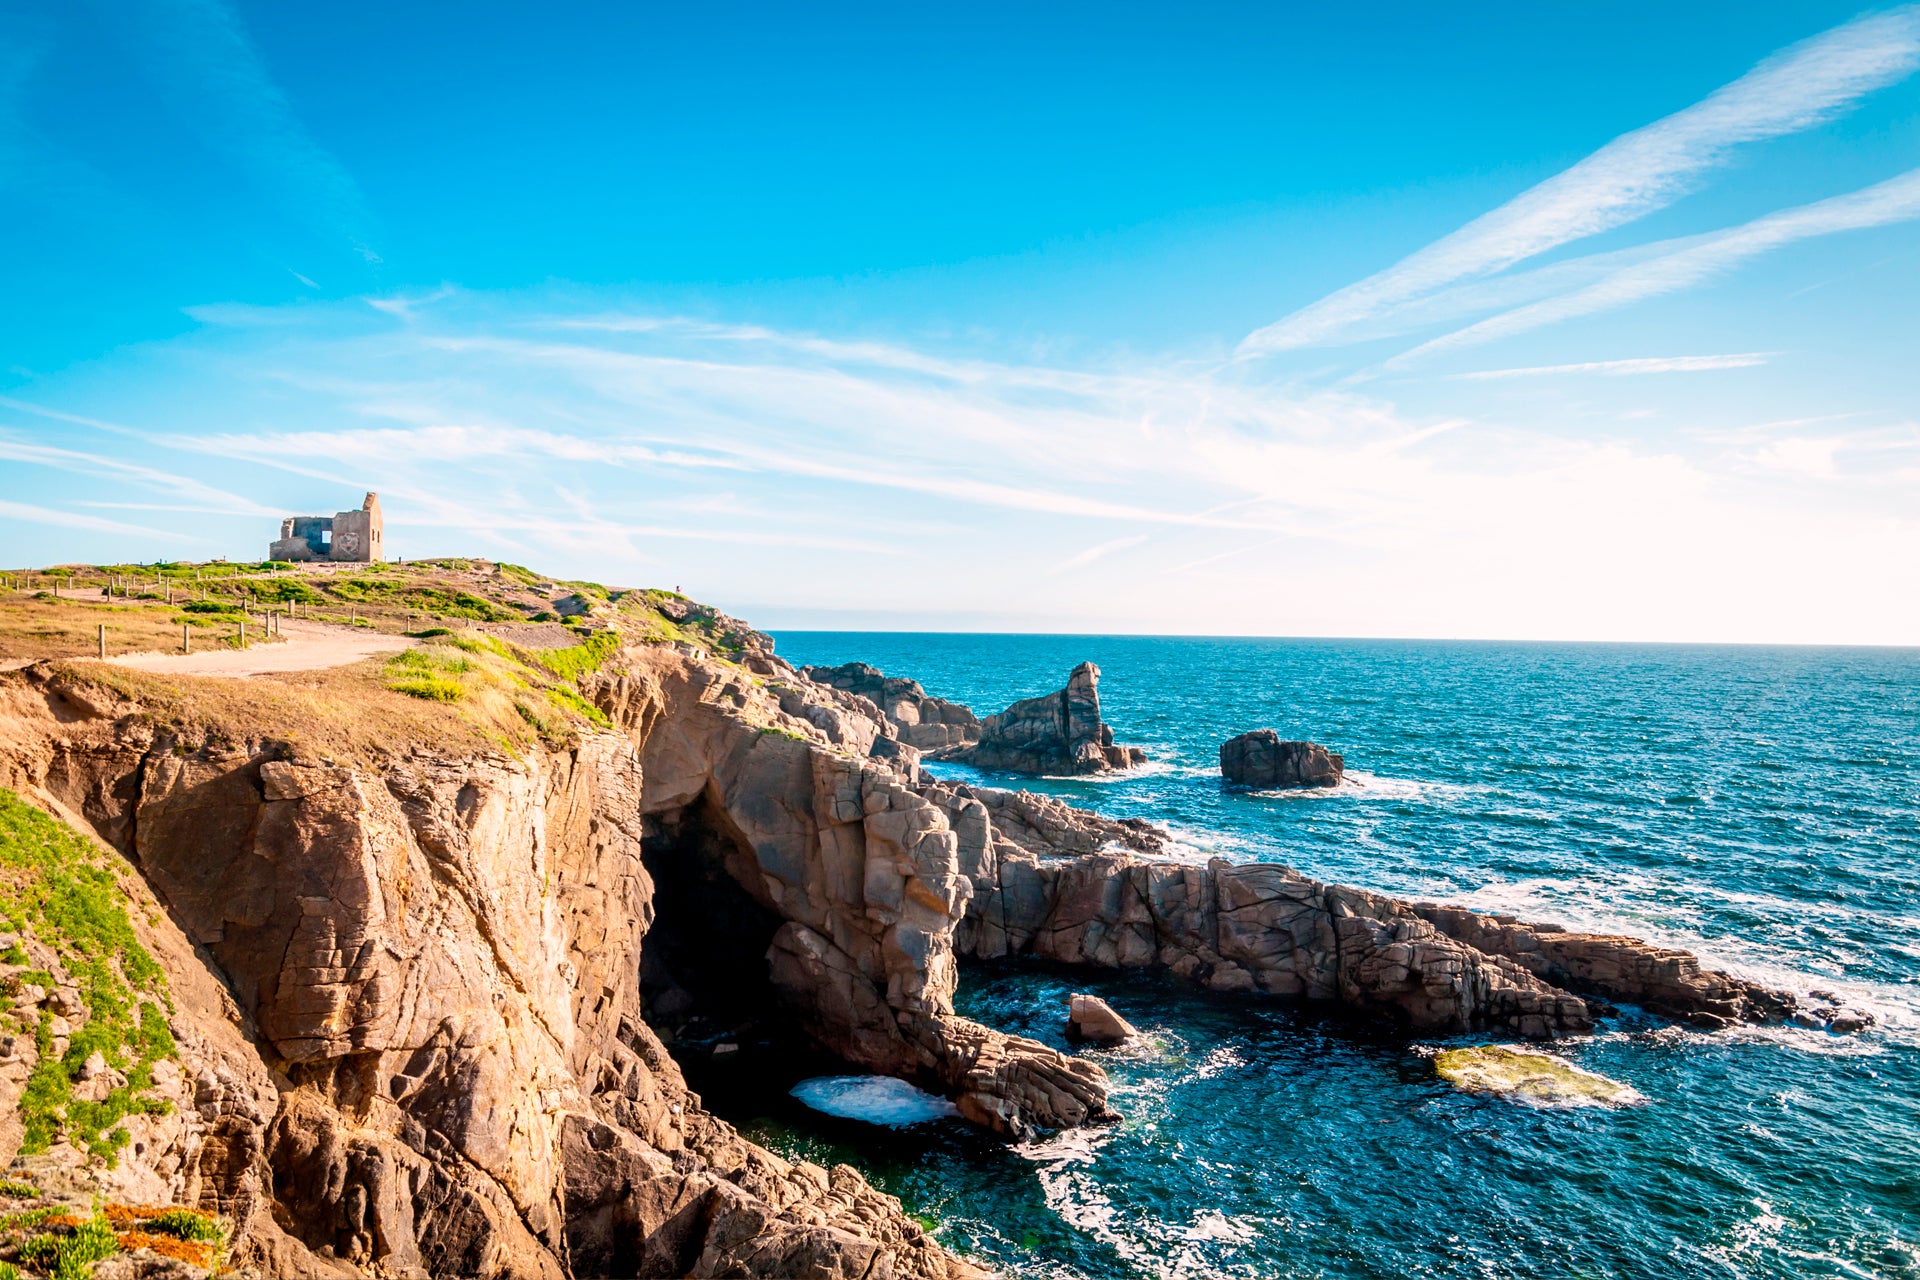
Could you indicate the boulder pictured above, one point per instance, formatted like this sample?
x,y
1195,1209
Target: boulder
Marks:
x,y
1092,1019
1261,759
1060,733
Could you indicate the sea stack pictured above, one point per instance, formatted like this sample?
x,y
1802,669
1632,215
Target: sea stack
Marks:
x,y
1060,733
1263,760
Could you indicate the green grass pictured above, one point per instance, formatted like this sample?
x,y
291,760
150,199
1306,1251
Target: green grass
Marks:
x,y
187,1224
581,659
52,884
431,688
211,606
19,1190
71,1257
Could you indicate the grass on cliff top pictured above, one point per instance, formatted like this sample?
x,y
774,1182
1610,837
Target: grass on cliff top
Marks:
x,y
500,679
58,889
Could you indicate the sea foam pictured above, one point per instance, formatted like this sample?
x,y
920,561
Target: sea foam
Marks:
x,y
875,1099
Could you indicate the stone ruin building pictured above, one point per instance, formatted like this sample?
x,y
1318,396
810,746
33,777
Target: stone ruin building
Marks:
x,y
352,536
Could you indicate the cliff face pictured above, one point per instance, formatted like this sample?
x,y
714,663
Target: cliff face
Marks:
x,y
408,985
414,1034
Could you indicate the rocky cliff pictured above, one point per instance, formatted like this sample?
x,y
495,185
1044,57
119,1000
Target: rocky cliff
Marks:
x,y
414,1041
411,971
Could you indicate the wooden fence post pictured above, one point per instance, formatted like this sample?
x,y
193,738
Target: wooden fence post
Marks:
x,y
103,642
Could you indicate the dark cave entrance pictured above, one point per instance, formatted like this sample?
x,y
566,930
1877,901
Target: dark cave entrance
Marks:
x,y
704,984
703,964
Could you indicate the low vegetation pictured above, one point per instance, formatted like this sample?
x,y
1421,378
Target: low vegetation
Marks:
x,y
61,1245
55,889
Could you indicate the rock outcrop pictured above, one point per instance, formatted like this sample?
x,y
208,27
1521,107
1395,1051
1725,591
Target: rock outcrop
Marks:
x,y
411,990
925,723
1059,734
1092,1019
1263,760
1063,885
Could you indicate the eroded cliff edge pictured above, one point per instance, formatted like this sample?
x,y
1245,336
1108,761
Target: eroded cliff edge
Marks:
x,y
417,1043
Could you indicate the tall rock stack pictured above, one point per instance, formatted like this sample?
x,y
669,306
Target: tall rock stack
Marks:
x,y
1060,733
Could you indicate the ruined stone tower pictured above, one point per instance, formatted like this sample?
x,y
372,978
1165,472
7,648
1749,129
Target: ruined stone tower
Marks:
x,y
352,536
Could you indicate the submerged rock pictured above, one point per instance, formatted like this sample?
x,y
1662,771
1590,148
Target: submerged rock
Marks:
x,y
1092,1019
1531,1077
1060,733
1261,759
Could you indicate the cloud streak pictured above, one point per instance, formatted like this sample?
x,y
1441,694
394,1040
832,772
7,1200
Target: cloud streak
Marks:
x,y
1632,176
1698,259
1626,368
200,57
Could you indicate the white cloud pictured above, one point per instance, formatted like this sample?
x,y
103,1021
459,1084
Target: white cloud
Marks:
x,y
802,473
1695,260
1087,557
1635,174
209,72
1624,368
31,514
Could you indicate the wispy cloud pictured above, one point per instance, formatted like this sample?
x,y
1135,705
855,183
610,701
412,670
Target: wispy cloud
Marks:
x,y
802,470
1697,259
1087,557
206,497
1635,174
31,514
202,60
1627,368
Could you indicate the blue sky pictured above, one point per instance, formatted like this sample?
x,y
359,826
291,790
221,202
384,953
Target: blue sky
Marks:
x,y
1524,322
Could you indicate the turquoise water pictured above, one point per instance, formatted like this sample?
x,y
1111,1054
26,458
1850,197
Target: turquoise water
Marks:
x,y
1760,806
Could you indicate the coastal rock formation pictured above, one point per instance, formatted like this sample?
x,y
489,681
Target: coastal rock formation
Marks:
x,y
1067,886
1092,1019
1661,979
412,983
412,990
923,722
1262,760
1059,734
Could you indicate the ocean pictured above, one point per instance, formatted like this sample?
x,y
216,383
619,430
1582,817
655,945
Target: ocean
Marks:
x,y
1759,806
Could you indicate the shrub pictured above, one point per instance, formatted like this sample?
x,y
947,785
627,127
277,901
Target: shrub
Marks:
x,y
211,606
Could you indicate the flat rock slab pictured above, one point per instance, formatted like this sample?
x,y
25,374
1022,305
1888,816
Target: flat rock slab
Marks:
x,y
304,646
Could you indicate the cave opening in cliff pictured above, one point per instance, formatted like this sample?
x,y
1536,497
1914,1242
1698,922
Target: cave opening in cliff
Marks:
x,y
703,965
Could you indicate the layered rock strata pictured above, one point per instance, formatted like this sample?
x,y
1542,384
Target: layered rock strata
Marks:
x,y
1058,734
923,722
1263,760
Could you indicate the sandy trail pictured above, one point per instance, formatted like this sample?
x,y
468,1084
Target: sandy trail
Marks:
x,y
305,646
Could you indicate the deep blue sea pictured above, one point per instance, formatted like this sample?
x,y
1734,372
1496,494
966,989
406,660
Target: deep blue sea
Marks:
x,y
1760,806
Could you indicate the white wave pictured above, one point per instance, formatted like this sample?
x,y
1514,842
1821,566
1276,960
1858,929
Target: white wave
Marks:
x,y
880,1100
1212,1224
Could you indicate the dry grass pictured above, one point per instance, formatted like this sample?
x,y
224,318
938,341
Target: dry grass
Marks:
x,y
32,627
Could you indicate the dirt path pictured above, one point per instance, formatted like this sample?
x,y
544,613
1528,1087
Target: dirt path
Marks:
x,y
307,646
